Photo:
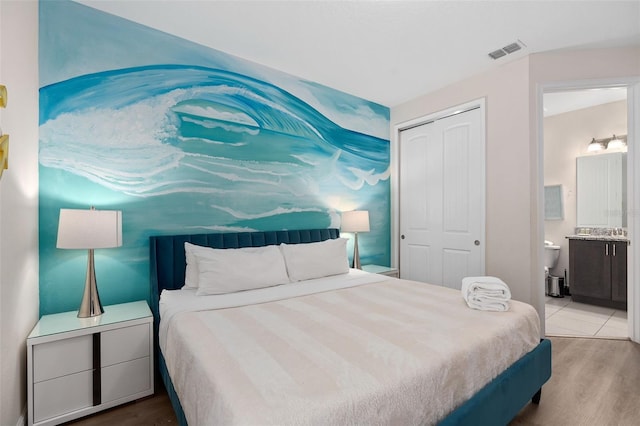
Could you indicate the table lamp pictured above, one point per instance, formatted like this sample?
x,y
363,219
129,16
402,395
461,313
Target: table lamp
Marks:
x,y
89,229
355,221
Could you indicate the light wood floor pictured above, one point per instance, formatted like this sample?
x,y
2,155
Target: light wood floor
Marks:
x,y
595,382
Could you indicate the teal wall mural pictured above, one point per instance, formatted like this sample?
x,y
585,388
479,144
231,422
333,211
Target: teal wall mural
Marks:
x,y
187,139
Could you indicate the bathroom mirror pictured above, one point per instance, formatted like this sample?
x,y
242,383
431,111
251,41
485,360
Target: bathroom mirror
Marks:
x,y
601,186
553,204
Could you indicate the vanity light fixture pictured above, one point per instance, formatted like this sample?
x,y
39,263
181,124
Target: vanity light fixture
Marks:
x,y
617,142
596,145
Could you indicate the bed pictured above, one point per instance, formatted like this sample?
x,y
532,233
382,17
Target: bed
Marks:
x,y
392,391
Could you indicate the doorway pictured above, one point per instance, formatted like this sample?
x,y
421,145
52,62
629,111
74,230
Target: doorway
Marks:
x,y
573,118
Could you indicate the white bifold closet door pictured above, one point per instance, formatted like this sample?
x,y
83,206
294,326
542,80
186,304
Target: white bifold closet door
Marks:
x,y
442,191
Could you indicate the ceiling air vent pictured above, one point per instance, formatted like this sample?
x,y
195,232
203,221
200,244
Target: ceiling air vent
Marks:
x,y
497,54
513,47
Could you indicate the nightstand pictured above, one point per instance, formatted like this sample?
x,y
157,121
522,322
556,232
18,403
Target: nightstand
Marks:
x,y
382,270
79,366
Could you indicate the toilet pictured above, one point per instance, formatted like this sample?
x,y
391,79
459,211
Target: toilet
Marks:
x,y
551,255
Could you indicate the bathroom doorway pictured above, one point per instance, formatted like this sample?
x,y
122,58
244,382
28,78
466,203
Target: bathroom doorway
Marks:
x,y
573,119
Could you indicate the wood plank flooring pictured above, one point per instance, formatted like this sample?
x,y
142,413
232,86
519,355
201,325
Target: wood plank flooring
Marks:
x,y
595,382
154,410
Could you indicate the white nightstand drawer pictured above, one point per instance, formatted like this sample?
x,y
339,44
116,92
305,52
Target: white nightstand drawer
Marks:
x,y
124,344
125,379
79,366
55,397
62,357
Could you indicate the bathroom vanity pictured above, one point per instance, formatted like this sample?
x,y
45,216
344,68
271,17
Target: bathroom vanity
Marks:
x,y
598,251
598,270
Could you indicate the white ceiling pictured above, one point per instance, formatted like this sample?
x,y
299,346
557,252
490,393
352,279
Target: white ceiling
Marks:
x,y
561,102
385,51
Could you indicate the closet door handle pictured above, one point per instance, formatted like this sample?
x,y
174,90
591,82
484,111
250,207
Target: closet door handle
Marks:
x,y
614,248
606,249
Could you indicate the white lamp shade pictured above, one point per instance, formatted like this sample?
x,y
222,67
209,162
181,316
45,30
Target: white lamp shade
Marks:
x,y
89,229
355,221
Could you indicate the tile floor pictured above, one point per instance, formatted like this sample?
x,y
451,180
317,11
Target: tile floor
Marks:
x,y
565,317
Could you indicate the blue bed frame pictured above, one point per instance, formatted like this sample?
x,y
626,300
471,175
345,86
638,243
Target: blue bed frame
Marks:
x,y
495,404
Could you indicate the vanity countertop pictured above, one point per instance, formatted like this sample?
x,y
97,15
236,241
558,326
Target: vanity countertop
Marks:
x,y
598,237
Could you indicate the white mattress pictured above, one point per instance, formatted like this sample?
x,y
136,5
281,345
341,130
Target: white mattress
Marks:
x,y
354,349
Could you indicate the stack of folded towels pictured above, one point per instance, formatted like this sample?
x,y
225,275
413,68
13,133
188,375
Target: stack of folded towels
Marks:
x,y
486,293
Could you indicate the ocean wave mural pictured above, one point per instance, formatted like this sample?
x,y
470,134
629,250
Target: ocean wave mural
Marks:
x,y
193,147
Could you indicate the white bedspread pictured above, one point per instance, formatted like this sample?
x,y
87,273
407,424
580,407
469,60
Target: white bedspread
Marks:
x,y
386,352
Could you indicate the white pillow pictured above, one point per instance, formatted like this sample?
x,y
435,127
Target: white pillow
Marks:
x,y
191,272
222,271
316,260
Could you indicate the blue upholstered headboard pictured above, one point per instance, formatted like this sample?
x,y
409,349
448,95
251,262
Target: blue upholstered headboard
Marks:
x,y
167,252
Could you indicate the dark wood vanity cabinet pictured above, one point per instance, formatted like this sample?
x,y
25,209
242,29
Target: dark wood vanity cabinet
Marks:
x,y
598,272
619,272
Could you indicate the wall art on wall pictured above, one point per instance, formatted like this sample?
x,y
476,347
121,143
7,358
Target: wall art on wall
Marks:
x,y
187,139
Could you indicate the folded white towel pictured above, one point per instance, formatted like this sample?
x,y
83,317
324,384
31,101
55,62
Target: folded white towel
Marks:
x,y
486,293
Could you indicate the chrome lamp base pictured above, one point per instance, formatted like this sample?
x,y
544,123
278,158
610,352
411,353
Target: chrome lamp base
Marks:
x,y
355,263
90,305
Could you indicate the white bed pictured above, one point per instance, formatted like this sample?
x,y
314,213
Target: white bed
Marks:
x,y
348,348
355,348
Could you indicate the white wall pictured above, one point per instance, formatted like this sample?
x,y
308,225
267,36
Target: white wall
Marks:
x,y
580,69
508,207
514,228
566,136
18,201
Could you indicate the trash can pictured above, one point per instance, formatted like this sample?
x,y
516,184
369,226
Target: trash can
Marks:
x,y
555,286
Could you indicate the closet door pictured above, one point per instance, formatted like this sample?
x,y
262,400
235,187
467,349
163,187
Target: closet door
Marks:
x,y
442,200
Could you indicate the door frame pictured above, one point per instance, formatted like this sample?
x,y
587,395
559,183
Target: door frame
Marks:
x,y
632,85
395,170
